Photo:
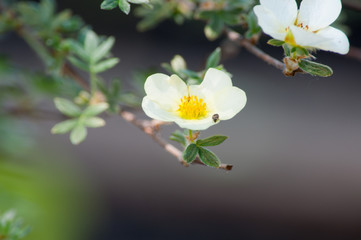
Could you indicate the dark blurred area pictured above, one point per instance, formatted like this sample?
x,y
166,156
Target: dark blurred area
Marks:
x,y
295,149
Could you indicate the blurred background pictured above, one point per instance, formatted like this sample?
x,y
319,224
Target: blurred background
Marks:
x,y
296,151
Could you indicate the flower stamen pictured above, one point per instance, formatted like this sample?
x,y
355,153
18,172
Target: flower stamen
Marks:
x,y
192,107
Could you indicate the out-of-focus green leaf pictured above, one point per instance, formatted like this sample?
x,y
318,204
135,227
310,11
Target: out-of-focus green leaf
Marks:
x,y
94,122
67,107
78,134
64,127
96,109
214,59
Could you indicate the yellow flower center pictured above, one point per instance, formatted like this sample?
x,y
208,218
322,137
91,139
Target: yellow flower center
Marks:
x,y
191,107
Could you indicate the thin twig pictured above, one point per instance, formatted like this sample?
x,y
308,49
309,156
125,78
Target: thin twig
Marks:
x,y
70,72
236,37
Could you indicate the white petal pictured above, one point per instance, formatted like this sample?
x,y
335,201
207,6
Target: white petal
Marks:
x,y
229,102
318,14
165,90
269,23
328,39
195,124
284,10
215,80
154,110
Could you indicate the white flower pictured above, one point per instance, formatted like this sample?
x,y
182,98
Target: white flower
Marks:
x,y
195,107
308,27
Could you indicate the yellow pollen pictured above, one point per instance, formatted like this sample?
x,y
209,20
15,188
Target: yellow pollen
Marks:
x,y
192,107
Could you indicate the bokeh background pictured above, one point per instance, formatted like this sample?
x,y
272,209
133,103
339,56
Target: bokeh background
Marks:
x,y
296,151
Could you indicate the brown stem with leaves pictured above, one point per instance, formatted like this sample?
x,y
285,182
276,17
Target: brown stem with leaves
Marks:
x,y
151,128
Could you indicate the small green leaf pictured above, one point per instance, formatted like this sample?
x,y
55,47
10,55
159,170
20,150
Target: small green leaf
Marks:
x,y
190,73
103,49
211,141
109,4
91,42
275,42
287,49
315,69
214,28
67,107
78,134
124,6
214,59
179,137
94,122
208,158
64,126
190,153
105,65
96,109
79,64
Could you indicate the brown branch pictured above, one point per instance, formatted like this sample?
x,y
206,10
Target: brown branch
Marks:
x,y
354,53
70,72
151,128
352,5
247,44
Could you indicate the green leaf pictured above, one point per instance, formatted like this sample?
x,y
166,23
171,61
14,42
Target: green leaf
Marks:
x,y
211,141
275,42
208,158
64,126
109,4
94,122
103,49
190,153
214,28
287,49
315,69
78,134
96,109
214,58
79,64
179,137
124,6
105,65
91,42
67,107
190,73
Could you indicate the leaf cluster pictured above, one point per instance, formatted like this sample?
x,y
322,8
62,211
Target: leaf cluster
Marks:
x,y
81,119
12,227
302,59
91,53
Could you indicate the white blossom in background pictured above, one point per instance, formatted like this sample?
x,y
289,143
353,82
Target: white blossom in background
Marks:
x,y
308,27
194,107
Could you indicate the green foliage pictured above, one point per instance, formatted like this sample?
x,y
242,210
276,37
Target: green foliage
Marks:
x,y
275,42
80,121
253,28
123,5
12,227
315,69
91,54
197,148
211,141
190,153
179,137
208,157
214,59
